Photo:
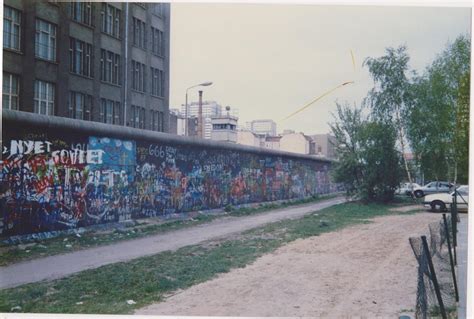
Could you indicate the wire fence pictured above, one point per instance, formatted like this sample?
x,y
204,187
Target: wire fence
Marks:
x,y
427,301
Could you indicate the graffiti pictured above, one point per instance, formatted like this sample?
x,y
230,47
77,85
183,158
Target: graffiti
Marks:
x,y
55,183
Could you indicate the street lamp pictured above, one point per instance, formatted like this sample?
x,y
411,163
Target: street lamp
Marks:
x,y
186,109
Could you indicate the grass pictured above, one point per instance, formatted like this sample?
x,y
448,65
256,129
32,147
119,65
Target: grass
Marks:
x,y
10,254
146,280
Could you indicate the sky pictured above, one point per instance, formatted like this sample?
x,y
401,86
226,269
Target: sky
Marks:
x,y
269,60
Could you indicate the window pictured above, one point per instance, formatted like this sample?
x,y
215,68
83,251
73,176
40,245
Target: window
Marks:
x,y
111,20
157,82
157,42
158,9
80,106
138,117
80,57
11,91
44,97
110,111
81,12
138,76
11,28
157,121
110,67
139,33
45,41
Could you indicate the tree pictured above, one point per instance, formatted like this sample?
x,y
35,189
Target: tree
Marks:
x,y
368,163
437,104
461,135
388,98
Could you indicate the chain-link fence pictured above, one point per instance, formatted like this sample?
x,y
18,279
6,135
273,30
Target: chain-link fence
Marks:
x,y
427,300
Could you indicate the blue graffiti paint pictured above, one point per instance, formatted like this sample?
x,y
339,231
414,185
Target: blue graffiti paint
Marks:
x,y
71,182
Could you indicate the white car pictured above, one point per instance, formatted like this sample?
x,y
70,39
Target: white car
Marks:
x,y
433,188
440,202
405,189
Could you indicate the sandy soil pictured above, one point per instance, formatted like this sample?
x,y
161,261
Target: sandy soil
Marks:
x,y
364,270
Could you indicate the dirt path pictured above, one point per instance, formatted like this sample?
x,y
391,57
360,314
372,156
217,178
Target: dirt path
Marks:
x,y
365,270
58,266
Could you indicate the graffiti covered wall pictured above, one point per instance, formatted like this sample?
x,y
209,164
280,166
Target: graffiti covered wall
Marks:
x,y
55,179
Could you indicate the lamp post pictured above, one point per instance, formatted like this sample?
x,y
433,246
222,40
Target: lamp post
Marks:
x,y
186,133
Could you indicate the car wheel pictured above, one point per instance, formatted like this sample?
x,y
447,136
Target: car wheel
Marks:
x,y
419,194
438,206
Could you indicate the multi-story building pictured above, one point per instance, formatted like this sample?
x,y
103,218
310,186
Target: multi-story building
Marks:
x,y
246,137
297,143
325,145
177,123
262,127
209,109
104,62
272,142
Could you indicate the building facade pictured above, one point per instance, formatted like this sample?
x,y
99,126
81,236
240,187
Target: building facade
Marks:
x,y
246,137
262,127
177,124
104,62
297,143
209,109
325,145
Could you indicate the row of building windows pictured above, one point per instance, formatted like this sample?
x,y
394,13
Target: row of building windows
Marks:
x,y
138,118
45,39
79,104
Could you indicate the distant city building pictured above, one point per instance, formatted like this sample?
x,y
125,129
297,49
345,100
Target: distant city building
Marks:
x,y
246,137
262,127
272,142
297,143
285,132
209,109
173,123
325,145
96,61
177,121
224,127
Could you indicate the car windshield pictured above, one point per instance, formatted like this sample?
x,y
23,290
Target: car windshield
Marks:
x,y
463,190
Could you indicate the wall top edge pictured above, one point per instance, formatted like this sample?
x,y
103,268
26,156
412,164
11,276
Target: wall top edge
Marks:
x,y
123,132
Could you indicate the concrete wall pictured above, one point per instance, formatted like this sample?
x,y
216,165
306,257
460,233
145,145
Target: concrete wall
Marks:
x,y
58,173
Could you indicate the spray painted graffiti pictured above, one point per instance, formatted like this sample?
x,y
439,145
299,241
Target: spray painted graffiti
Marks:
x,y
55,183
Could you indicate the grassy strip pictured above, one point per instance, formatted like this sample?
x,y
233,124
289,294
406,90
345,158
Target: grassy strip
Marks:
x,y
10,254
147,280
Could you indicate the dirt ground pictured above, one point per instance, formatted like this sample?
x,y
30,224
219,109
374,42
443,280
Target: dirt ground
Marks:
x,y
365,270
57,266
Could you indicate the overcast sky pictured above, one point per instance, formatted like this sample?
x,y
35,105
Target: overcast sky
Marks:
x,y
269,60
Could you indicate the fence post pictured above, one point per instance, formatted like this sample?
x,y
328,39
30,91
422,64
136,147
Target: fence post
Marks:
x,y
451,257
454,226
433,277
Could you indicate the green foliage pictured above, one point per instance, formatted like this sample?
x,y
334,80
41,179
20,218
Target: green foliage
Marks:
x,y
387,98
433,110
368,164
462,130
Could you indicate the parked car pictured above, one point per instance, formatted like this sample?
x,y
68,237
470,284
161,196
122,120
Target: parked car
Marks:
x,y
405,189
433,188
441,201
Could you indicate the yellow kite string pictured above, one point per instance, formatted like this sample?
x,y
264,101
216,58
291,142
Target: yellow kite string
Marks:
x,y
317,99
353,60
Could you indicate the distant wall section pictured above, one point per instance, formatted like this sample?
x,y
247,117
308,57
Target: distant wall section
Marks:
x,y
59,174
